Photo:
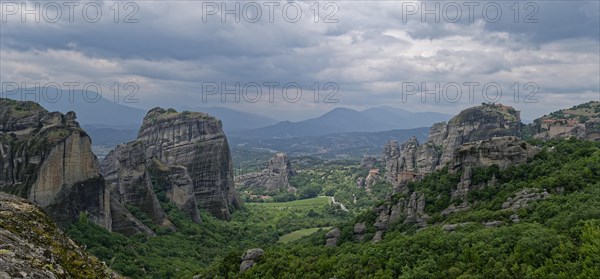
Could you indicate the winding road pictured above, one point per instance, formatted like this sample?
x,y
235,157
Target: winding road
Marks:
x,y
342,206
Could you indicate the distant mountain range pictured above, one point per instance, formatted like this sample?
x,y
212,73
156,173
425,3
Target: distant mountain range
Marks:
x,y
340,145
109,123
344,120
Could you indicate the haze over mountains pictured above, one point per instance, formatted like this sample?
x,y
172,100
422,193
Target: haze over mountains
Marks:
x,y
344,120
339,145
110,123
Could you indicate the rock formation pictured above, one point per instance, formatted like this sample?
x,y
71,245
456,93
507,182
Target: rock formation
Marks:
x,y
249,258
523,198
197,142
502,152
412,160
477,137
273,178
47,158
410,209
359,231
332,236
31,246
126,173
180,157
371,179
473,124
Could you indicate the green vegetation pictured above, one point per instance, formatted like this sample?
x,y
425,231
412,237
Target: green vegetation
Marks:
x,y
296,235
557,237
183,253
583,111
339,179
316,177
17,109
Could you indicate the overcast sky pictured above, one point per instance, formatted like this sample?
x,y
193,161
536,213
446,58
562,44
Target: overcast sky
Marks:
x,y
362,54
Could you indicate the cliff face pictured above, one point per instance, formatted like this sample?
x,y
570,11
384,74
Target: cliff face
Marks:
x,y
477,137
501,151
473,124
183,157
125,171
275,177
412,160
47,158
31,246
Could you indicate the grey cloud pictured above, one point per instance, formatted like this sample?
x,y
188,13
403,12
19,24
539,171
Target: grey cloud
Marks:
x,y
171,52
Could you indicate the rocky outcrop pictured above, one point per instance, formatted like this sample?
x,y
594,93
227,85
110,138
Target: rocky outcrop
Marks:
x,y
453,227
409,210
412,160
126,172
249,258
47,158
523,198
273,178
359,231
409,161
178,157
474,124
476,137
371,179
582,122
500,151
31,246
332,236
195,141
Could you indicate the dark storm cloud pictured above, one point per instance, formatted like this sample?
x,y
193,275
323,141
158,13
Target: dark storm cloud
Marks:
x,y
372,49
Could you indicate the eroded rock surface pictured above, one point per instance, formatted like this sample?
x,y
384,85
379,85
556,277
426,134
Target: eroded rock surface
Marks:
x,y
197,142
477,137
179,157
412,160
47,158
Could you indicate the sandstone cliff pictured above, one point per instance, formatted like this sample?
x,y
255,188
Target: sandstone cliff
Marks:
x,y
47,158
477,137
126,174
31,246
180,157
273,178
412,160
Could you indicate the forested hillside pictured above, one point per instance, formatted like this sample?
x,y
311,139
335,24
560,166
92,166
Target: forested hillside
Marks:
x,y
536,220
